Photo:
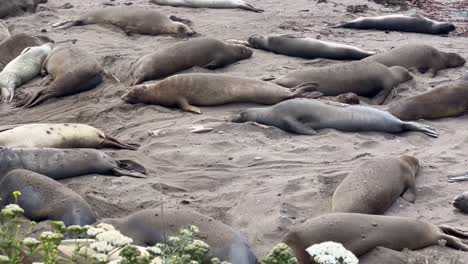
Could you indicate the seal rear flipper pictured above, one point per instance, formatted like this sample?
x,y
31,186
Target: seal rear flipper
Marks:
x,y
453,231
122,172
35,99
111,142
413,126
67,24
181,20
305,89
251,8
292,125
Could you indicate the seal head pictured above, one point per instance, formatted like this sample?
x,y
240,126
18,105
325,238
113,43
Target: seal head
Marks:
x,y
453,60
135,94
461,202
258,42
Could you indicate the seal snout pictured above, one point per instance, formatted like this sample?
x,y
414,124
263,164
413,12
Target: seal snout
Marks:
x,y
255,41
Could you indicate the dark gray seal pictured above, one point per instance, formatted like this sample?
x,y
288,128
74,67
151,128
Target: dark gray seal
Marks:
x,y
461,202
147,227
9,8
361,233
415,23
445,100
307,47
204,52
67,163
45,199
367,79
304,116
419,57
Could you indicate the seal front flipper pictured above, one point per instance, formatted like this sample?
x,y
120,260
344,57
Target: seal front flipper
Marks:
x,y
184,105
409,195
292,125
212,65
308,90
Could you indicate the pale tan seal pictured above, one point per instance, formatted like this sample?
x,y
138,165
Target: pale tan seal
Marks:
x,y
419,57
446,100
361,233
4,31
66,135
131,19
209,4
205,89
15,44
373,186
72,70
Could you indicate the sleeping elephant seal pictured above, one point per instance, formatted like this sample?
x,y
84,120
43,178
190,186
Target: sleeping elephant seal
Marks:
x,y
446,100
43,198
4,32
72,70
204,52
302,116
368,79
307,48
67,163
205,89
209,4
146,228
14,45
66,135
361,233
22,69
10,8
419,57
415,23
375,184
134,20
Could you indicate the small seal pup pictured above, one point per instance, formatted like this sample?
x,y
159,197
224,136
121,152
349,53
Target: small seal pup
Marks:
x,y
43,198
445,100
22,69
361,233
419,57
72,70
368,79
4,32
205,89
61,164
146,228
204,52
14,45
303,116
208,4
134,20
373,186
66,135
461,202
9,8
414,23
308,48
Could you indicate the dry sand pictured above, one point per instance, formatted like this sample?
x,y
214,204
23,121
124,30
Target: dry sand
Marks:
x,y
261,181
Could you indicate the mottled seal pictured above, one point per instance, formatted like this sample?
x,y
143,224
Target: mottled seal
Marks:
x,y
303,116
414,23
14,45
361,233
43,198
203,52
445,100
148,227
72,70
22,69
134,20
4,32
67,163
204,89
368,79
419,57
373,186
461,202
10,8
66,135
209,4
307,47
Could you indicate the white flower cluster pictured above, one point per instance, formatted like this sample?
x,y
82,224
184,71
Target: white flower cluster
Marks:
x,y
101,247
4,259
154,250
30,242
114,238
106,227
331,253
101,258
156,260
12,210
93,231
47,235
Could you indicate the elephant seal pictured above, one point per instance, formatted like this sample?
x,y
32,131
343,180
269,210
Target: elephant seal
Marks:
x,y
147,227
307,47
461,202
22,69
415,23
375,184
368,79
445,100
61,164
4,32
66,135
208,4
204,52
15,44
72,70
134,20
9,8
303,116
45,199
361,233
419,57
204,89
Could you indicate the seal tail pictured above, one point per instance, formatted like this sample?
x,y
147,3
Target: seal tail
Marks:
x,y
130,168
341,25
251,8
67,24
413,126
115,143
308,90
